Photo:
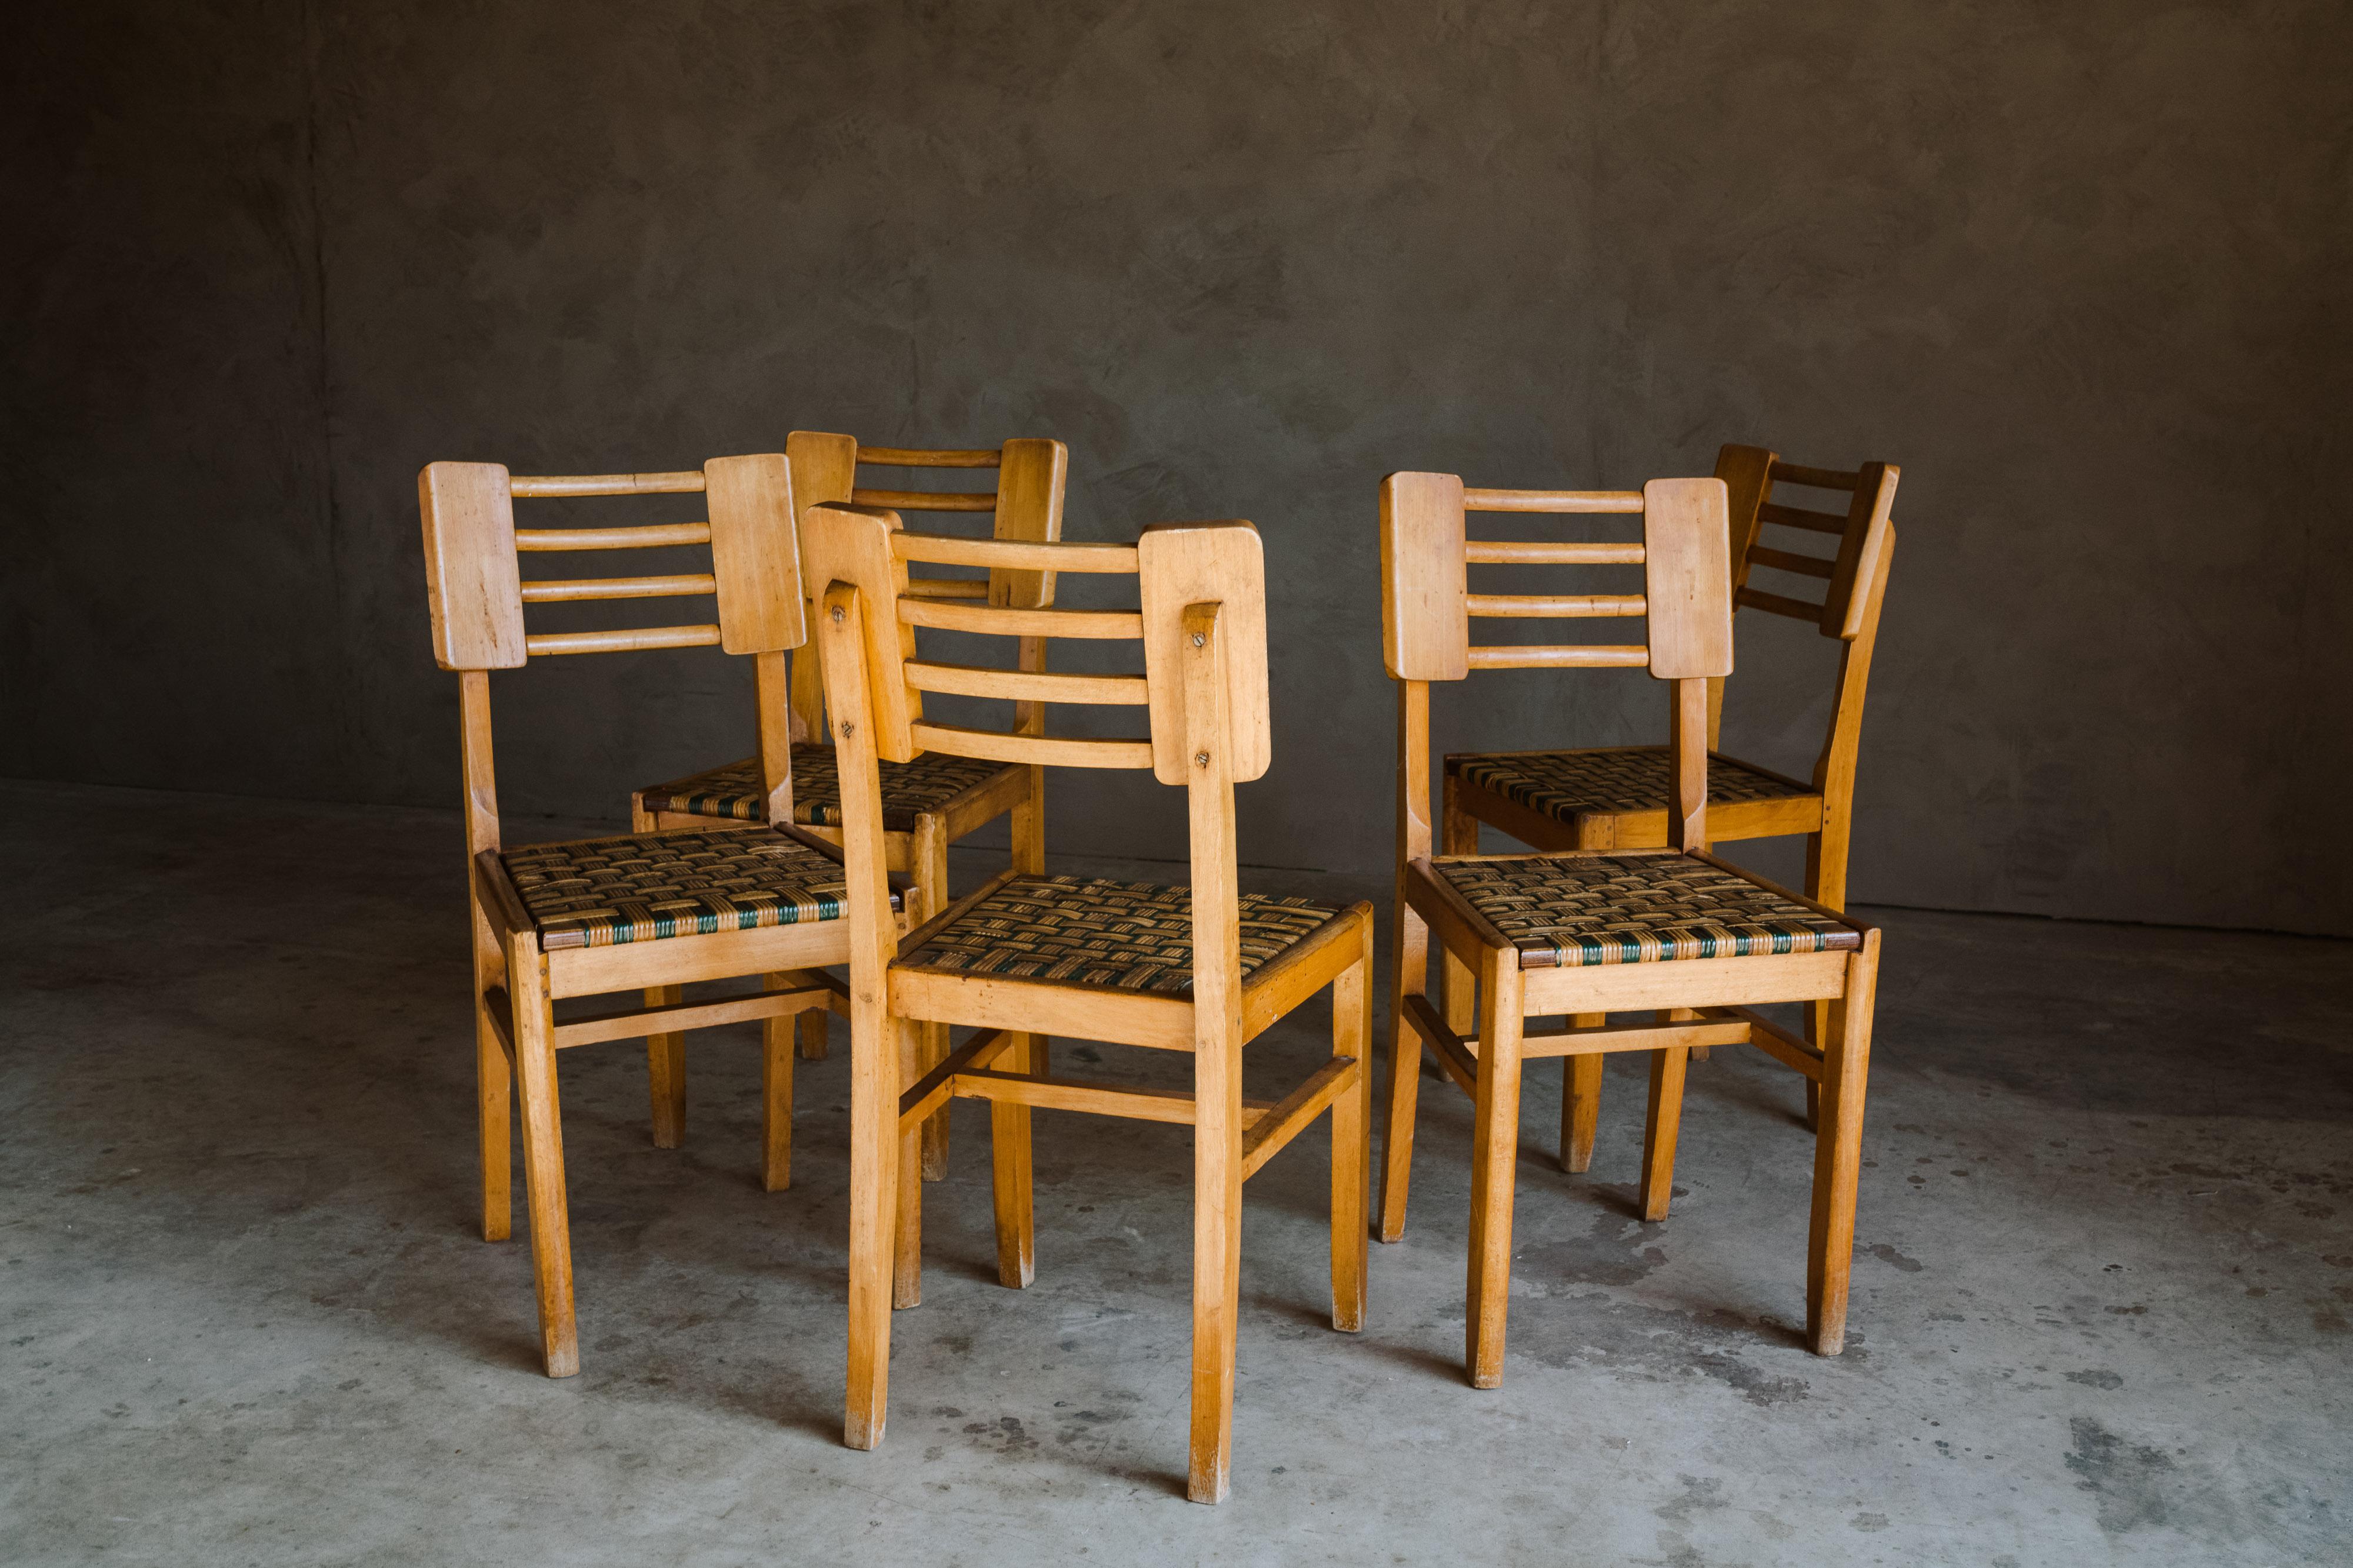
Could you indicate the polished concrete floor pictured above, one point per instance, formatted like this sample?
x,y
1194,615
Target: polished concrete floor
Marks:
x,y
2103,1285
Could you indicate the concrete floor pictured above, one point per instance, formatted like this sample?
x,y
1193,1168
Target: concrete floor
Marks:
x,y
2102,1291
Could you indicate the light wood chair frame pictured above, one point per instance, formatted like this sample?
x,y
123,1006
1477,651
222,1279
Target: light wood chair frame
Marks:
x,y
477,597
1480,1037
1026,504
1855,582
1203,630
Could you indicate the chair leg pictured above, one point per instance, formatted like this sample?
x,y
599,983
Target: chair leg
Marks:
x,y
1494,1152
874,1089
1352,1035
543,1155
907,1250
1663,1121
1459,836
666,1072
493,1104
1409,977
1216,1263
1838,1154
1826,854
930,854
776,1094
1580,1101
1010,1178
810,1029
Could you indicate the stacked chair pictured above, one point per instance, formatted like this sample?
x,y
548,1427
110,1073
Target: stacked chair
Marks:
x,y
928,804
1592,933
1201,969
647,911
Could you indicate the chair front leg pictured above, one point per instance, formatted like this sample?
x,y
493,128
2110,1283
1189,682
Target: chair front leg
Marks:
x,y
1409,977
1009,1177
1663,1121
874,1089
1352,1035
776,1092
493,1094
1838,1154
929,856
1216,1263
907,1252
1495,1153
1826,854
543,1154
1580,1101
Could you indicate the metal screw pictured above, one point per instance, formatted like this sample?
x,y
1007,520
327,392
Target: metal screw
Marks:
x,y
837,615
1201,759
846,729
1198,639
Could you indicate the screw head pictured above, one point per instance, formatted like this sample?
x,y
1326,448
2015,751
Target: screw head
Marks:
x,y
847,729
837,615
1198,639
1201,759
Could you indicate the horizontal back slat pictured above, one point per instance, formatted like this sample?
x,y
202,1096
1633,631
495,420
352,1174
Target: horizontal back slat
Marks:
x,y
1547,552
917,458
682,586
1817,479
686,483
1576,656
1799,517
1552,500
1782,561
1048,751
1573,606
1028,685
927,501
1000,622
642,537
1778,604
948,587
949,549
627,641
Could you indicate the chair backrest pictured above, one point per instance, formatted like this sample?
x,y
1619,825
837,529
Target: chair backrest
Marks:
x,y
1026,505
1200,630
475,592
1428,608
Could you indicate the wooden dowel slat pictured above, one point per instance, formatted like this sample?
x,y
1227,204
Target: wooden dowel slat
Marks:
x,y
641,538
632,1021
1048,751
998,621
1515,607
948,587
1782,561
684,483
681,587
1783,1047
1294,1113
1775,603
1067,1094
1453,1051
1011,555
1552,500
927,501
1028,685
1799,517
916,458
1817,478
1592,1041
933,1089
1543,552
1581,656
542,643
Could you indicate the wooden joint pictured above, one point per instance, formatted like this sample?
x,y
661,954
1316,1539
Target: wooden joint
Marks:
x,y
1783,1047
1287,1117
932,1089
1454,1054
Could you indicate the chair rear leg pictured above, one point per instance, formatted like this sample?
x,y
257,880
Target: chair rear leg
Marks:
x,y
1838,1154
874,1160
666,1072
930,854
1010,1178
1580,1101
1352,1035
1494,1154
493,1100
1217,1265
1826,854
777,1093
907,1255
1410,978
810,1029
1664,1122
543,1155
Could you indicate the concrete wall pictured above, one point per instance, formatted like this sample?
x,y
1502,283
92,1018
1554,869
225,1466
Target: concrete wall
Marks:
x,y
2078,270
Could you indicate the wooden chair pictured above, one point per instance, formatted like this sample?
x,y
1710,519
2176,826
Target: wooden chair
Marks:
x,y
1615,797
928,804
652,912
1201,971
1592,933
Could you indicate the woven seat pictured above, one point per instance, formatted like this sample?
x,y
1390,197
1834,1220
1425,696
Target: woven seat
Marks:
x,y
599,892
909,789
1124,936
1567,912
1561,784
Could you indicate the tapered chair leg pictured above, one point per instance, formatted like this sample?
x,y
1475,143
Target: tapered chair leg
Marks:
x,y
543,1155
874,1162
929,854
1664,1122
776,1096
1826,856
666,1072
1410,978
1351,1035
1580,1101
1838,1154
811,1030
907,1255
1009,1177
1494,1150
494,1109
1216,1265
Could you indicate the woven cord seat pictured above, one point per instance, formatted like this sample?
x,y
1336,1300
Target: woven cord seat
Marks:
x,y
909,789
599,892
1561,784
1123,936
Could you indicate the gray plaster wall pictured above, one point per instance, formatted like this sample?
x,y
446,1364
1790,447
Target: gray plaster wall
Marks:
x,y
2079,269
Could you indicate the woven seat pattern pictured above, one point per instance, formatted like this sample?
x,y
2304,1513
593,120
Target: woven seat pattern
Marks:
x,y
1570,911
1130,936
598,892
909,789
1560,784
